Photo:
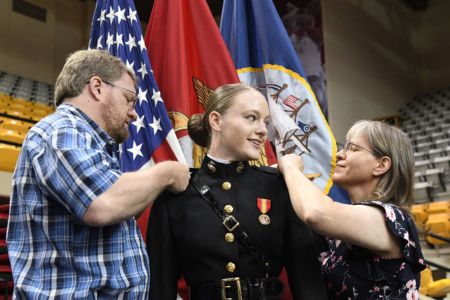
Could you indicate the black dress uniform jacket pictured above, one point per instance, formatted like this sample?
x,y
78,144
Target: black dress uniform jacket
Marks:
x,y
186,238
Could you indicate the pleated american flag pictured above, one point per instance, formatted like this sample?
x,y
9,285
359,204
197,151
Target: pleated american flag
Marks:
x,y
116,28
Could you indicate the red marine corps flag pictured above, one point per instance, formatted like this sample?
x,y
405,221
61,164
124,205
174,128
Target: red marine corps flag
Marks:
x,y
190,61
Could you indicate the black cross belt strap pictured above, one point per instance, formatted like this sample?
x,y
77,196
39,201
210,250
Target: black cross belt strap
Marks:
x,y
232,225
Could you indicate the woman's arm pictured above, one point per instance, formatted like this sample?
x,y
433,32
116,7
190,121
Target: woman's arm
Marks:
x,y
360,225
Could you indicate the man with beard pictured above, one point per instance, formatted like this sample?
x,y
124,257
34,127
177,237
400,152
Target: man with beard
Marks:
x,y
72,232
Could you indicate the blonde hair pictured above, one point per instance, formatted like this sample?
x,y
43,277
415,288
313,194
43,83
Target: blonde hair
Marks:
x,y
79,68
396,185
220,100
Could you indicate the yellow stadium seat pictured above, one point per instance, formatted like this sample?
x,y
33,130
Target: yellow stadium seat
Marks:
x,y
22,102
13,124
19,106
41,106
431,288
13,136
18,114
438,207
438,224
9,155
40,113
5,98
420,213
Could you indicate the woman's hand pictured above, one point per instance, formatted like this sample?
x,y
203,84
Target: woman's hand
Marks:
x,y
290,162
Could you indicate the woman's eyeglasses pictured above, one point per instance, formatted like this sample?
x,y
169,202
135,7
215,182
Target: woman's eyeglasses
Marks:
x,y
349,146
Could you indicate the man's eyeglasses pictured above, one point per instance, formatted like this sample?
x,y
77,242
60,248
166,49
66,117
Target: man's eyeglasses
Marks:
x,y
131,102
349,146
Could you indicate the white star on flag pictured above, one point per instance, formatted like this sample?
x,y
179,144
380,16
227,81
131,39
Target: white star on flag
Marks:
x,y
155,125
142,44
136,150
156,97
132,15
110,15
119,39
131,43
130,65
142,95
109,40
99,42
139,123
142,70
120,14
102,17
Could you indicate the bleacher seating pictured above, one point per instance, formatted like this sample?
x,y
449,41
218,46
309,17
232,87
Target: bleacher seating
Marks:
x,y
426,120
23,102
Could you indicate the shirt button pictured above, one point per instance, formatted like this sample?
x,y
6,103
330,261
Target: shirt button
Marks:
x,y
228,209
229,237
231,267
226,186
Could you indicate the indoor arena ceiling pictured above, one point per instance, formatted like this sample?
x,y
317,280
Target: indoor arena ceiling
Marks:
x,y
144,6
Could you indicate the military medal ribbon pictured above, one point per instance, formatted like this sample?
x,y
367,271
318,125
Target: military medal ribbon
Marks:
x,y
264,207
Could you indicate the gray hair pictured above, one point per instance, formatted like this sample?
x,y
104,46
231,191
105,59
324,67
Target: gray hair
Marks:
x,y
396,185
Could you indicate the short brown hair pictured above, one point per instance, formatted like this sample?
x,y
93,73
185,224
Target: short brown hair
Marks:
x,y
79,68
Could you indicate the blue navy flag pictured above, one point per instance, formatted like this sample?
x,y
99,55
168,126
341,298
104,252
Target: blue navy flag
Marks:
x,y
266,59
116,29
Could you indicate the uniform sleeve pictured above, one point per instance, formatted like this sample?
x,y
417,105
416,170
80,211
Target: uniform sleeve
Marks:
x,y
164,266
401,225
73,169
301,255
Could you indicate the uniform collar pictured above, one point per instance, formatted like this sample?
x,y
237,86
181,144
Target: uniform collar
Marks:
x,y
222,170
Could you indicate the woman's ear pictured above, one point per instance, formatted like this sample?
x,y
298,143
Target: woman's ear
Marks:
x,y
215,120
383,165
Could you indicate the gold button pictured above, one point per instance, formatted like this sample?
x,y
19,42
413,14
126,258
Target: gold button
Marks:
x,y
231,267
228,209
229,237
226,186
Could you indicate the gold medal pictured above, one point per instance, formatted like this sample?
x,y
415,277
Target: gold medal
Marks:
x,y
264,219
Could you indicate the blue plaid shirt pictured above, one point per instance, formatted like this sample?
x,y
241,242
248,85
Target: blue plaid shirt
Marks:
x,y
66,162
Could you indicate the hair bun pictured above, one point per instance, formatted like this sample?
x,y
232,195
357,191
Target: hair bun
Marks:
x,y
197,130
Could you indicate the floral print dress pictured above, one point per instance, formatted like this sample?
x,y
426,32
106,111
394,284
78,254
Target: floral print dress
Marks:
x,y
352,272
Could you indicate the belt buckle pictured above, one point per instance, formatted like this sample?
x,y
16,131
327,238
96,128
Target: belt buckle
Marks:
x,y
226,283
230,227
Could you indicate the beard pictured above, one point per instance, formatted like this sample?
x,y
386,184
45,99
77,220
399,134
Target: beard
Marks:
x,y
114,123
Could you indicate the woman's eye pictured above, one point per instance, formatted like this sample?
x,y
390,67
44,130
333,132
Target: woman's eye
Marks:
x,y
251,117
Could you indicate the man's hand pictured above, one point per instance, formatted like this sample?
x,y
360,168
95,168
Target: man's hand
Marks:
x,y
178,174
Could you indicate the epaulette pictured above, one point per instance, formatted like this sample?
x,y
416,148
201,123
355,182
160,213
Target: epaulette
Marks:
x,y
268,170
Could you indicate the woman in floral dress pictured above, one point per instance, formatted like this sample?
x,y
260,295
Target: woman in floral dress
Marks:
x,y
373,247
